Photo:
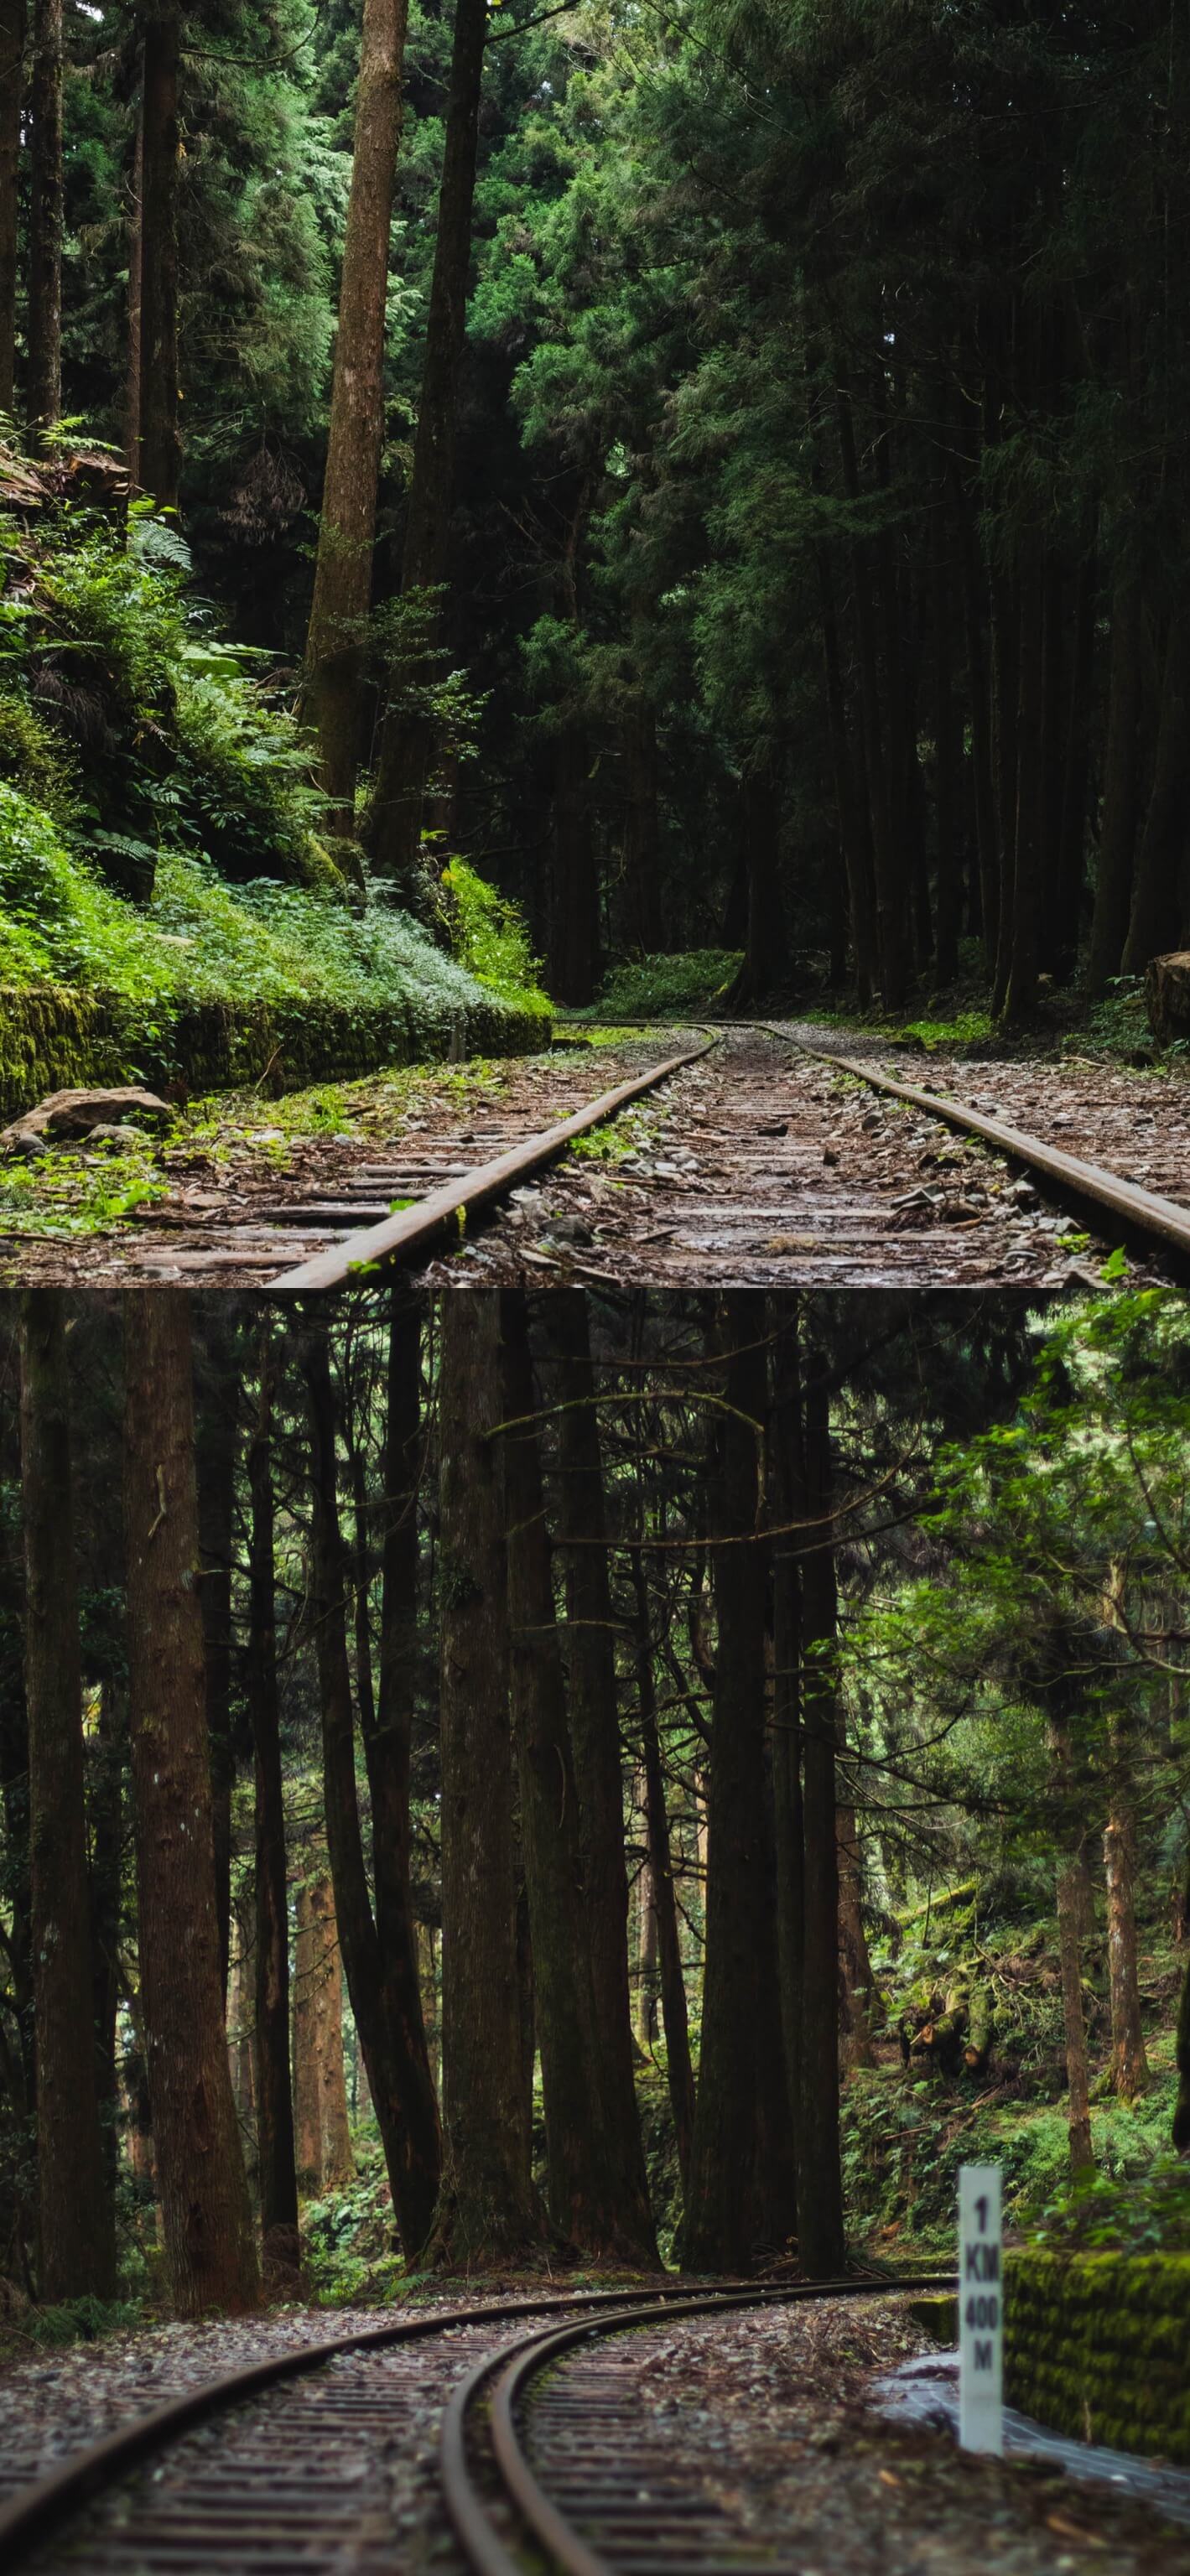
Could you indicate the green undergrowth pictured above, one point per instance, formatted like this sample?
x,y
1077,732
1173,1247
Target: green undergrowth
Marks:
x,y
32,2329
653,988
907,2125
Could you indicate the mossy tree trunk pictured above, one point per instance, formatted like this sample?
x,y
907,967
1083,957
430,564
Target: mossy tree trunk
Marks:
x,y
77,2225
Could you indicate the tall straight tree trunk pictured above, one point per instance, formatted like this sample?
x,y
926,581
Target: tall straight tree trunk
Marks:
x,y
1158,891
274,2096
1121,767
642,838
891,895
1181,2116
733,2201
766,965
347,525
981,720
160,439
210,2250
574,881
487,2210
406,750
1071,1879
46,217
107,1890
595,1737
1030,857
947,750
135,232
307,2097
787,1473
660,1934
383,2032
819,2177
1129,2064
854,836
217,1398
12,88
334,2129
588,2196
77,2224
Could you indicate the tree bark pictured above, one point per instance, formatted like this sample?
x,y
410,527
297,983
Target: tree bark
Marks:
x,y
46,219
588,2199
1129,2064
740,2193
1121,768
819,2177
766,965
787,1471
1070,1899
642,838
595,1740
1158,891
406,749
574,880
77,2226
487,2212
274,2096
217,1402
347,524
336,2160
210,2251
160,439
659,1925
12,87
384,2032
1181,2116
307,2098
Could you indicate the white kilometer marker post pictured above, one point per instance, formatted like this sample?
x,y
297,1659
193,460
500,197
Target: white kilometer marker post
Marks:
x,y
981,2310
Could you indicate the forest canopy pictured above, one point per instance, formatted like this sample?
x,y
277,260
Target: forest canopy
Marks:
x,y
720,470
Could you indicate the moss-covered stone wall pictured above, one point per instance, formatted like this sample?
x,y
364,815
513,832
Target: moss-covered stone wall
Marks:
x,y
53,1038
1097,2346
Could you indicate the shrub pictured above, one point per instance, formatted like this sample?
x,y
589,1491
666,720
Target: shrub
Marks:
x,y
491,939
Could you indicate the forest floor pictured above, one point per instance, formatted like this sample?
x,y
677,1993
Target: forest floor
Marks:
x,y
757,1166
773,2422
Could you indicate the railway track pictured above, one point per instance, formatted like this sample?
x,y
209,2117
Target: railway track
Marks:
x,y
286,2463
753,1155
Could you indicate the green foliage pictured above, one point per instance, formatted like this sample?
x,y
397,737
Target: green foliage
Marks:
x,y
347,2235
491,940
666,987
1145,2210
86,2320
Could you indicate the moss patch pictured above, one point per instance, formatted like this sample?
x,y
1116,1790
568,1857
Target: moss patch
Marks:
x,y
1095,2347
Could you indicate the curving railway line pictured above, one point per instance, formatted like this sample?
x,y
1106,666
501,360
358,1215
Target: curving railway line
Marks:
x,y
282,2464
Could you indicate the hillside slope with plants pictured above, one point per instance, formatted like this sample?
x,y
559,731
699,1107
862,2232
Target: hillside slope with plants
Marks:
x,y
168,906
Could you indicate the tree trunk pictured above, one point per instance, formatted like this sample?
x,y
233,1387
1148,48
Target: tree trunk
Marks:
x,y
819,2179
12,88
891,908
77,2226
737,2195
384,2035
574,881
595,1741
588,2197
160,440
107,1891
659,1925
135,230
947,752
217,1402
642,839
787,1473
406,750
307,2098
766,967
46,216
274,2097
1129,2064
334,2129
487,2211
347,524
1030,858
1181,2116
1121,769
1070,1880
1157,896
208,2222
854,835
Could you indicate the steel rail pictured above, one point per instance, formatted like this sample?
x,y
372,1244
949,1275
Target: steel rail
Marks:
x,y
407,1232
519,2362
1142,1212
39,2507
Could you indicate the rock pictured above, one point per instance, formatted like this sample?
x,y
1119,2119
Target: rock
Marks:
x,y
68,1117
1167,995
